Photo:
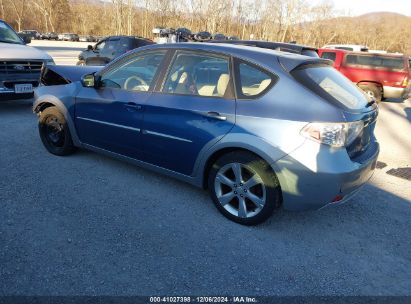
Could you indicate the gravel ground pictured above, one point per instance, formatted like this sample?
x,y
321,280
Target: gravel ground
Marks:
x,y
90,225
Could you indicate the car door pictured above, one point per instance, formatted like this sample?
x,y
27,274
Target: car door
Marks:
x,y
192,109
110,116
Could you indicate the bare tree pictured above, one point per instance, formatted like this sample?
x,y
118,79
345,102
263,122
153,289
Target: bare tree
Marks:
x,y
275,20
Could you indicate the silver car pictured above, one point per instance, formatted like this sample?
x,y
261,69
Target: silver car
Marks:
x,y
260,129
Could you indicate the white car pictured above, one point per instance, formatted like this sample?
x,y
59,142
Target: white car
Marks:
x,y
347,47
20,65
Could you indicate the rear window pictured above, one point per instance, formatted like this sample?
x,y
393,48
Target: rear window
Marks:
x,y
375,61
345,48
331,85
329,55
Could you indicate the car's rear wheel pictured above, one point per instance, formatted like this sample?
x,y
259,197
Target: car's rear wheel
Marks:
x,y
244,188
54,132
372,91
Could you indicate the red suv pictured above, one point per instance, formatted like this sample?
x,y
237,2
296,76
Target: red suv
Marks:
x,y
379,75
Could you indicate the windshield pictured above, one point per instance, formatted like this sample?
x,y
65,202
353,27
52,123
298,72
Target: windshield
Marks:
x,y
332,86
8,35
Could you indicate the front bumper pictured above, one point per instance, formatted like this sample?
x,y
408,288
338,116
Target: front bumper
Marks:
x,y
395,92
7,93
314,175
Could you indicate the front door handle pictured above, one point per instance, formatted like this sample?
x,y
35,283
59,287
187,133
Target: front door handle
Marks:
x,y
132,106
215,115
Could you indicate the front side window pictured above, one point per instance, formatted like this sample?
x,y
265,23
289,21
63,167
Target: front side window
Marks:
x,y
137,74
198,74
100,45
253,81
331,85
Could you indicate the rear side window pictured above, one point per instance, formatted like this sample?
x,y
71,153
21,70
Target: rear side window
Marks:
x,y
329,55
332,86
375,61
253,81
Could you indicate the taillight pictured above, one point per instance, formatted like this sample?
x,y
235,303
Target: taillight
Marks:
x,y
405,82
333,134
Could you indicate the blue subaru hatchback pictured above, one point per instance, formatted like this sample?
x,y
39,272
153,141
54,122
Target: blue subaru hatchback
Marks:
x,y
261,129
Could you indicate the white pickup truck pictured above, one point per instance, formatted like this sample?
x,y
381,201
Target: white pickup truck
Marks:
x,y
20,65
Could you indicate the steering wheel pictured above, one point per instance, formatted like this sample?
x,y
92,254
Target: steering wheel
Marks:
x,y
141,81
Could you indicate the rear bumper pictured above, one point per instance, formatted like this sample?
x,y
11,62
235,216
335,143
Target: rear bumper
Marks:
x,y
315,175
395,92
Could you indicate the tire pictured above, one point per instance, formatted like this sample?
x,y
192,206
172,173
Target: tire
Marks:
x,y
373,91
230,191
54,132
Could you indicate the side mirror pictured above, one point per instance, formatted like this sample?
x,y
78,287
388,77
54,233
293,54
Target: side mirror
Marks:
x,y
26,39
90,47
88,81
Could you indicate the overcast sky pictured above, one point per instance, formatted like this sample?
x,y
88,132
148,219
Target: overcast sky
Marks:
x,y
359,7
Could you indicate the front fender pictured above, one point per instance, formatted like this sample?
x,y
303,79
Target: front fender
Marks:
x,y
62,97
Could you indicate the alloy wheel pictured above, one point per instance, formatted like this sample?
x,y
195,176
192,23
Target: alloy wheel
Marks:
x,y
240,190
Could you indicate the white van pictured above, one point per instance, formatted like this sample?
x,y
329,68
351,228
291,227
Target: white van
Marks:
x,y
347,47
20,65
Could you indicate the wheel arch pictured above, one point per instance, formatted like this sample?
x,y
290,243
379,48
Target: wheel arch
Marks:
x,y
47,101
370,82
268,155
223,151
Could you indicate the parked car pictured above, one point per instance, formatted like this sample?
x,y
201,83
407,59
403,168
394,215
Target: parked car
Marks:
x,y
347,47
379,75
20,65
259,129
109,48
25,37
87,38
49,36
69,37
31,33
278,46
219,36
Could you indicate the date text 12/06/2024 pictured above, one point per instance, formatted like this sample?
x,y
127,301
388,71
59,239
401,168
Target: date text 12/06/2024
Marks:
x,y
240,299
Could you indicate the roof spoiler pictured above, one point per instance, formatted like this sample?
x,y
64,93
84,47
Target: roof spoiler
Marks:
x,y
289,63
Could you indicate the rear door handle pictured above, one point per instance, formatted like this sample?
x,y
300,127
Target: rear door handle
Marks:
x,y
215,115
132,106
